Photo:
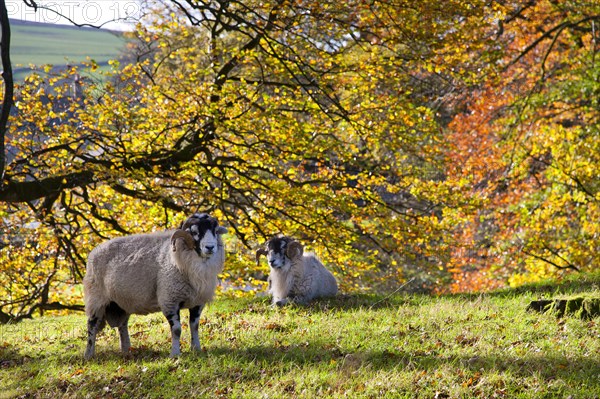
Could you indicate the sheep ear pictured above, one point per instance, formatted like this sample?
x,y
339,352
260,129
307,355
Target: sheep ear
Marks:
x,y
187,238
221,230
294,249
259,252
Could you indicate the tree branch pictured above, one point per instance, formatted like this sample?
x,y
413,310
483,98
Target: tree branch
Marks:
x,y
28,191
569,266
550,33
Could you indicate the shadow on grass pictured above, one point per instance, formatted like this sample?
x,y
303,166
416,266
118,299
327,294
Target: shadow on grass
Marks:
x,y
361,301
340,302
10,358
573,284
251,364
571,370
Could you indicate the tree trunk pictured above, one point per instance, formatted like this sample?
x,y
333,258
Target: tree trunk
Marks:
x,y
7,76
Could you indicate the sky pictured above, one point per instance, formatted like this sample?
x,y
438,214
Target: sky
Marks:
x,y
93,12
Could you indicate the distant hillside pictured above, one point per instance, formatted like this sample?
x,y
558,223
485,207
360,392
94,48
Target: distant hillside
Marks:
x,y
40,44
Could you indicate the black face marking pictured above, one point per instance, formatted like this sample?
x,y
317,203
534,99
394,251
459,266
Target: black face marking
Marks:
x,y
197,225
278,244
276,251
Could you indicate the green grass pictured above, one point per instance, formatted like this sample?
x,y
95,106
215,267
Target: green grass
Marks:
x,y
465,346
41,44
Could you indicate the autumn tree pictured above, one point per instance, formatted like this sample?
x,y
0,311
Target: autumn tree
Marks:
x,y
358,127
536,130
317,119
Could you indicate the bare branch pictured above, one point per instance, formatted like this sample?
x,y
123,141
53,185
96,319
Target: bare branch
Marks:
x,y
553,33
548,261
71,21
32,190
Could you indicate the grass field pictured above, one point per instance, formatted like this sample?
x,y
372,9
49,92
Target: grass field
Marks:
x,y
40,44
358,346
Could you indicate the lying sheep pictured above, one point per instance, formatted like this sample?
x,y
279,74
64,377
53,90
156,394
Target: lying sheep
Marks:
x,y
295,276
146,273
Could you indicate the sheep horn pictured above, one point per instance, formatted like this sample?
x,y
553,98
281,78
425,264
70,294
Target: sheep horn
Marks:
x,y
294,249
187,237
259,252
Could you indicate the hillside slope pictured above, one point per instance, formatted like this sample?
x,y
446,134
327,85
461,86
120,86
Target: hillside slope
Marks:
x,y
480,346
40,44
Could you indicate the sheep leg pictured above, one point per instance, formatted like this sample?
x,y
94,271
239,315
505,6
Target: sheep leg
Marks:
x,y
300,299
175,322
280,301
124,336
95,325
194,323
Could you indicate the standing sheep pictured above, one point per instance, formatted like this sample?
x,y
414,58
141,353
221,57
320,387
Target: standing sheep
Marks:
x,y
295,276
146,273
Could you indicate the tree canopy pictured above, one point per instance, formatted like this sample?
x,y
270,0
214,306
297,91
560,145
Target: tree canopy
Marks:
x,y
454,144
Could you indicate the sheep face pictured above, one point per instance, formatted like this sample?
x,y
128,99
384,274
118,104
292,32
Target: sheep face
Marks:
x,y
205,230
281,251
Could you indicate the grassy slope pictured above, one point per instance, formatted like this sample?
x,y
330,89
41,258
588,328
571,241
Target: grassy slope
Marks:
x,y
40,44
480,346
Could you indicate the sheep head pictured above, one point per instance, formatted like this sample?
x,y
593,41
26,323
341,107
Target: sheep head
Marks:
x,y
205,232
280,251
